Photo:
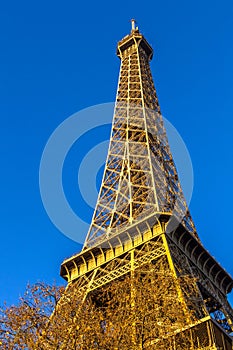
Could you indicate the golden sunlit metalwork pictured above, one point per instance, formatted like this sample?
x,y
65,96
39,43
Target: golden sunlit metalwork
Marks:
x,y
141,214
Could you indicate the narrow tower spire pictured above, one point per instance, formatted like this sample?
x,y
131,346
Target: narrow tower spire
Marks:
x,y
133,23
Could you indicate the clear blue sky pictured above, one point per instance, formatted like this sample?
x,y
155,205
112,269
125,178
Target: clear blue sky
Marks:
x,y
59,57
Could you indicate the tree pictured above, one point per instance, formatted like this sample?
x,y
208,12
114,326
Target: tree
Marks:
x,y
139,311
21,325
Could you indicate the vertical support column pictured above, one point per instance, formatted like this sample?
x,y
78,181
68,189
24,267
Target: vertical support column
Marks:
x,y
127,147
178,287
228,317
133,298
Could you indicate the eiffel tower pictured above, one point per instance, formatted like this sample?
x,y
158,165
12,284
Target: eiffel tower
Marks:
x,y
141,214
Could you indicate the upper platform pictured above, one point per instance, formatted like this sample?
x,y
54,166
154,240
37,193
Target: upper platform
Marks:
x,y
133,40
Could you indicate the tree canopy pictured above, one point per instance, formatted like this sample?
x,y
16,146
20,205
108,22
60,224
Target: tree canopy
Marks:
x,y
140,311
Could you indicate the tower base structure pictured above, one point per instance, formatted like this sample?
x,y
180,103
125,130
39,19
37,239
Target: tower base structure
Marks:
x,y
157,237
207,334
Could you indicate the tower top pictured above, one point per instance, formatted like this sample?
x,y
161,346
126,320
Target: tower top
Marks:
x,y
130,42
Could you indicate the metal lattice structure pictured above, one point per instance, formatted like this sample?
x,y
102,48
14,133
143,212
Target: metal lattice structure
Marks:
x,y
141,215
140,177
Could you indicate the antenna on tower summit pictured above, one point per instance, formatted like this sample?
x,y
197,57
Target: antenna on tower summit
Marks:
x,y
133,23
